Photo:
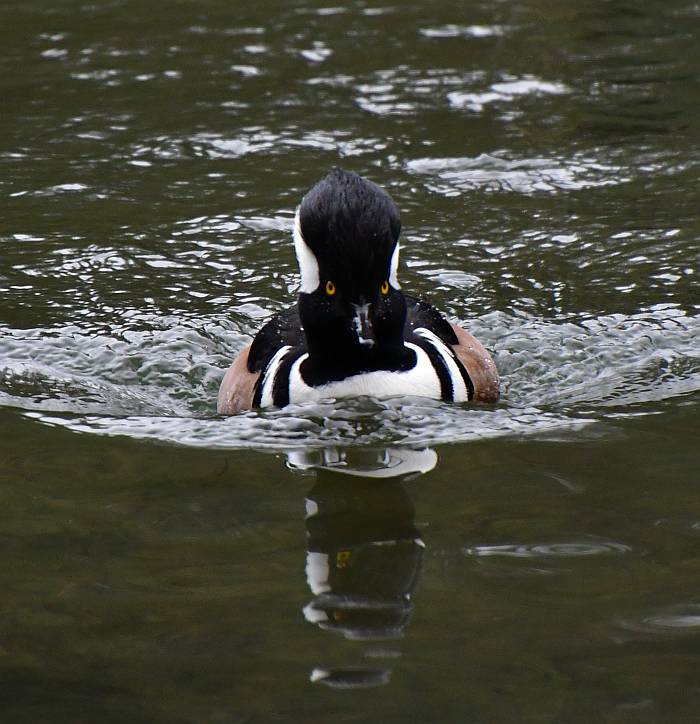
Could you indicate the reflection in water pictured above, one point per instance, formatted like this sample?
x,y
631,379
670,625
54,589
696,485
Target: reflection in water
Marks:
x,y
382,463
363,560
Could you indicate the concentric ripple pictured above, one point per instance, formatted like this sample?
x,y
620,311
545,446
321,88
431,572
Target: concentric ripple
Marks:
x,y
680,620
574,549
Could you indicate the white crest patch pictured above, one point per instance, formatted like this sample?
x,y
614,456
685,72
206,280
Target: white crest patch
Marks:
x,y
308,265
394,268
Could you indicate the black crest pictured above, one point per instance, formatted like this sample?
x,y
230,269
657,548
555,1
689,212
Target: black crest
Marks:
x,y
350,224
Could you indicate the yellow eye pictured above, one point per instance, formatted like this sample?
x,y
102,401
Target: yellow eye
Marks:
x,y
384,289
330,288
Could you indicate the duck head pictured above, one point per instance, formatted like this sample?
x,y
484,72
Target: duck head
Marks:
x,y
346,235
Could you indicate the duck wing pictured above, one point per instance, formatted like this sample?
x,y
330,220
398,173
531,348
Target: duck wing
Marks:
x,y
284,328
478,368
420,313
241,381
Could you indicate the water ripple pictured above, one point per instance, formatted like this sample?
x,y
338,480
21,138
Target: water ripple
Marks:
x,y
548,550
681,620
506,91
497,173
452,30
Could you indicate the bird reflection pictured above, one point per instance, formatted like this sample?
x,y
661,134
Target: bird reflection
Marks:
x,y
364,556
372,463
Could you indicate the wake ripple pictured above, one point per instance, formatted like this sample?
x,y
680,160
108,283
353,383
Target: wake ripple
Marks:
x,y
160,382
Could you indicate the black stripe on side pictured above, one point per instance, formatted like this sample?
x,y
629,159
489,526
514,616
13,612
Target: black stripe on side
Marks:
x,y
280,382
260,384
441,369
280,385
465,376
257,390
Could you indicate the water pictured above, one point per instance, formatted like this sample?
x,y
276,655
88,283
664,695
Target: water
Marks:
x,y
391,561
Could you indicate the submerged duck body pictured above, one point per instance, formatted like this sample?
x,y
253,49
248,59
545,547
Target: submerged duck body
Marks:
x,y
353,332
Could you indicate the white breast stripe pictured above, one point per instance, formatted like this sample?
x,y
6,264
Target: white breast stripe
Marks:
x,y
394,268
270,374
299,391
421,381
308,266
458,386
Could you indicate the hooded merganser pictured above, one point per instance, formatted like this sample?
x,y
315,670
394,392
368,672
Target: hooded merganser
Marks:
x,y
353,332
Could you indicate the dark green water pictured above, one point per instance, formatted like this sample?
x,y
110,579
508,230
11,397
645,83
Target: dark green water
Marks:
x,y
535,561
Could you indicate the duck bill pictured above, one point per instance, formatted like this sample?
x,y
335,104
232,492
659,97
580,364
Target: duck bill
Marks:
x,y
363,325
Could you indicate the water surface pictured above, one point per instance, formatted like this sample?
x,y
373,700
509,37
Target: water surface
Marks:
x,y
402,560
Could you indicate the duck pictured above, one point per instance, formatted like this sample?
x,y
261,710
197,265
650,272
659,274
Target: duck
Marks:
x,y
353,332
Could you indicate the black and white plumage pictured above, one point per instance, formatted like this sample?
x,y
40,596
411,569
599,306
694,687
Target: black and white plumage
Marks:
x,y
352,331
